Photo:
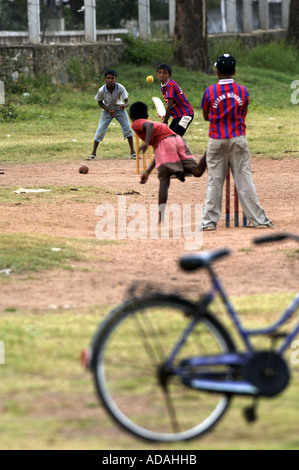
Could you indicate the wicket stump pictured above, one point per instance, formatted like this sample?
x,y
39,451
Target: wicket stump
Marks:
x,y
144,156
236,204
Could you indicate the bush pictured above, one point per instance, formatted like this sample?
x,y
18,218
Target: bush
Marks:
x,y
280,57
8,112
37,90
80,73
229,46
152,52
277,56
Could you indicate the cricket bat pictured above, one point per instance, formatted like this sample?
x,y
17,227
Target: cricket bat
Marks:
x,y
160,108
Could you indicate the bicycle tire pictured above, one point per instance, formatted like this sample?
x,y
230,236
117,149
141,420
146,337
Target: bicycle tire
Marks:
x,y
125,372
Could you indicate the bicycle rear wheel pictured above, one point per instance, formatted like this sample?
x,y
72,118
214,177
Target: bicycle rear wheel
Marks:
x,y
128,353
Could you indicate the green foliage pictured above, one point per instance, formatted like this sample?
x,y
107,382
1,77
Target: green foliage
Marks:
x,y
13,15
115,12
24,253
39,89
80,73
213,4
231,46
159,10
70,25
8,112
9,73
25,90
278,56
147,52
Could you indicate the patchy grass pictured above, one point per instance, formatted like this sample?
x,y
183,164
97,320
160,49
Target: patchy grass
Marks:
x,y
48,400
57,194
25,253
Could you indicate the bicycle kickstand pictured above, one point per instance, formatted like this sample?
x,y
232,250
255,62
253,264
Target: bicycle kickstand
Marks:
x,y
250,412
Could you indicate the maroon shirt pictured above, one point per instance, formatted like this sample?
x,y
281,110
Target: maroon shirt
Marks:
x,y
226,103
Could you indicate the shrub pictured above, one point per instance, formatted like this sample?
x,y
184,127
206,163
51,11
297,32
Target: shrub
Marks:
x,y
151,51
8,112
80,73
280,57
229,46
277,56
38,89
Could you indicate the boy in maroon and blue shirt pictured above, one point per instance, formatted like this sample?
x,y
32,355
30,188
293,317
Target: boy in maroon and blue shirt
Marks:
x,y
177,105
225,106
226,103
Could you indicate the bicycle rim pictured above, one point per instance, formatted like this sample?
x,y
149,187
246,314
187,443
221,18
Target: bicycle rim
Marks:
x,y
133,345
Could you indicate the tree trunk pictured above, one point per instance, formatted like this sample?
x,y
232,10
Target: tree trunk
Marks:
x,y
293,29
191,39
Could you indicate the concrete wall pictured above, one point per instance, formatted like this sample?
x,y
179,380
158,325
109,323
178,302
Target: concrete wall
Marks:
x,y
52,60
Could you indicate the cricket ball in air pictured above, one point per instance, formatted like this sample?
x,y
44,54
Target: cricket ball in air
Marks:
x,y
83,169
150,79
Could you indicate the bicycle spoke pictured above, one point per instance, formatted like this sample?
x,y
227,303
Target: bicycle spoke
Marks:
x,y
145,336
144,397
131,364
171,411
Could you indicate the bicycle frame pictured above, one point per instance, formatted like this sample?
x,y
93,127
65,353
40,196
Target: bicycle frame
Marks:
x,y
245,334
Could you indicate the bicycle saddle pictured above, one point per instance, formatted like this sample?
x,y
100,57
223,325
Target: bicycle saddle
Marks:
x,y
202,260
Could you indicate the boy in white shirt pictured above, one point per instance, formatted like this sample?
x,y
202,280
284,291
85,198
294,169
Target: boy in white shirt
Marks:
x,y
113,99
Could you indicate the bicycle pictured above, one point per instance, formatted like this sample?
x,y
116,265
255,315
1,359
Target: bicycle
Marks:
x,y
166,368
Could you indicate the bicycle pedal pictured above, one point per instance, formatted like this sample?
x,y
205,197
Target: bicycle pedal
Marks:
x,y
250,414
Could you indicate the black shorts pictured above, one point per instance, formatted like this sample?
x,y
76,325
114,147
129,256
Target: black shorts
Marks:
x,y
181,124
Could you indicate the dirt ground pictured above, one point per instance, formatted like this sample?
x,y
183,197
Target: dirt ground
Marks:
x,y
250,269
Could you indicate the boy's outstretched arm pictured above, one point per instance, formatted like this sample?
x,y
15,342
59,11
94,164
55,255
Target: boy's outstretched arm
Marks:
x,y
148,127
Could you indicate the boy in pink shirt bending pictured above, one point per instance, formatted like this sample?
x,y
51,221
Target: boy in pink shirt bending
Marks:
x,y
171,157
